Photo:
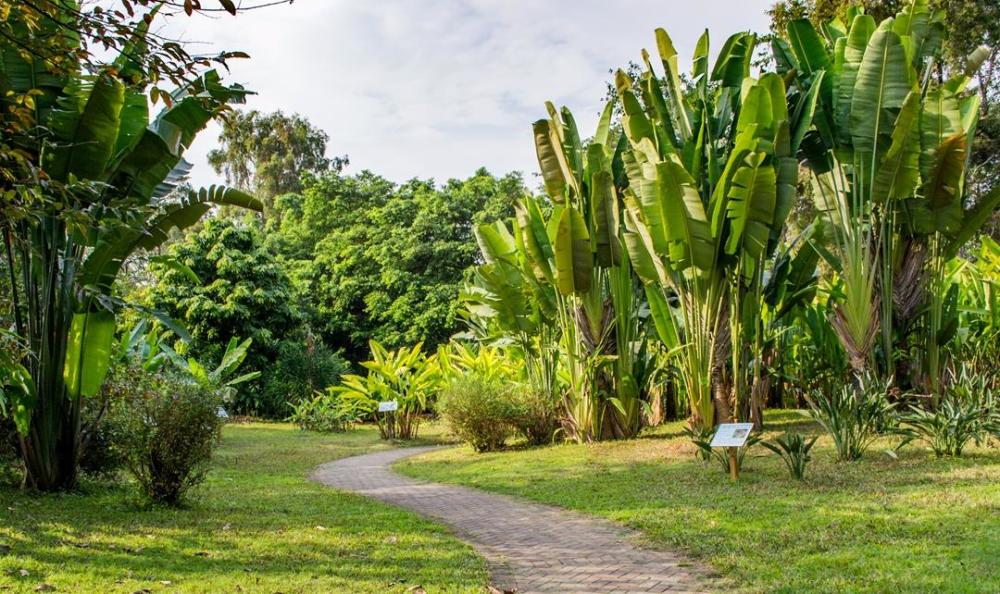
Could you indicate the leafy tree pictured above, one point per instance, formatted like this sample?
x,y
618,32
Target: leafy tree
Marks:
x,y
241,291
373,260
268,153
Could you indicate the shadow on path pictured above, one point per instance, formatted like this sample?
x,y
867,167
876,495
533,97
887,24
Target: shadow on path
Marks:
x,y
530,548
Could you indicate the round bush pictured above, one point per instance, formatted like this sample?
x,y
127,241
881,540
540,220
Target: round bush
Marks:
x,y
482,413
165,429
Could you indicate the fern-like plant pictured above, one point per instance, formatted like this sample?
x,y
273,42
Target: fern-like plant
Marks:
x,y
794,449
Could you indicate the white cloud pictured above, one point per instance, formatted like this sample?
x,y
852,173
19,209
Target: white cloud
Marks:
x,y
437,88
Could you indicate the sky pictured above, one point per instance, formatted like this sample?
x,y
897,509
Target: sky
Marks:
x,y
438,88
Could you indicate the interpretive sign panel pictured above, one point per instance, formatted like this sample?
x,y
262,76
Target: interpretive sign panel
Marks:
x,y
732,435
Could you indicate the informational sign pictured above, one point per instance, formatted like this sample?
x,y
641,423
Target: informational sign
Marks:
x,y
732,435
389,406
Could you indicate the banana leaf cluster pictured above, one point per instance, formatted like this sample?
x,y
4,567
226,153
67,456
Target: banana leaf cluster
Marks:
x,y
888,156
107,172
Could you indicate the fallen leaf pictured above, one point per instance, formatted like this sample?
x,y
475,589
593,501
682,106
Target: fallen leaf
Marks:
x,y
227,526
166,582
416,590
320,528
45,588
24,573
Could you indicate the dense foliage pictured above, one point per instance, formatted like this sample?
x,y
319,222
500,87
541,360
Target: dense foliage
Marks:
x,y
94,178
164,431
372,260
238,290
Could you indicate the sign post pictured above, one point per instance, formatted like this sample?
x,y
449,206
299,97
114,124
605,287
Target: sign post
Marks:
x,y
389,408
732,436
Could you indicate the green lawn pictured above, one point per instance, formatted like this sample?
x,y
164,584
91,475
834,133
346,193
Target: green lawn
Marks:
x,y
917,524
257,525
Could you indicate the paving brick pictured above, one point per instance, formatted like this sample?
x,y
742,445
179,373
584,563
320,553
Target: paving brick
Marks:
x,y
530,548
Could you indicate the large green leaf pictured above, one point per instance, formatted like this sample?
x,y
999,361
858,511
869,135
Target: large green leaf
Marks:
x,y
751,209
85,129
687,226
88,353
843,85
733,63
899,173
942,188
574,262
675,93
808,46
882,86
548,160
604,214
496,243
940,119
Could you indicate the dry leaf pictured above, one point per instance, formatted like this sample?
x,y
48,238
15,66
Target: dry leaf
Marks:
x,y
24,573
44,588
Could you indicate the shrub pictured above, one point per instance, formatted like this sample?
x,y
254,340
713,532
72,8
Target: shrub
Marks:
x,y
854,415
303,367
794,450
328,412
538,414
480,412
166,428
967,412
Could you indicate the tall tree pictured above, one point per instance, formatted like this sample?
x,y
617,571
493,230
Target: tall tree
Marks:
x,y
371,259
267,153
241,291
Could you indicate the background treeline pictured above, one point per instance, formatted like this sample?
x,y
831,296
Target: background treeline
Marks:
x,y
334,261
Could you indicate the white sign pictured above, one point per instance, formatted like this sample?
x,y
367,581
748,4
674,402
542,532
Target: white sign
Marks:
x,y
388,406
732,435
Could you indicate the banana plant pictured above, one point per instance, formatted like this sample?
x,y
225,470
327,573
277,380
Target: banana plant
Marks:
x,y
888,155
711,178
108,186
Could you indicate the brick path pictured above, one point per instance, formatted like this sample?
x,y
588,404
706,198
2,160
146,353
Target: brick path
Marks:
x,y
530,548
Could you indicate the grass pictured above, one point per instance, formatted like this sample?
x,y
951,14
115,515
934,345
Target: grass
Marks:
x,y
257,525
913,524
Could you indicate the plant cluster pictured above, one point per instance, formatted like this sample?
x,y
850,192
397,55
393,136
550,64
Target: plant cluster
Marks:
x,y
407,377
329,412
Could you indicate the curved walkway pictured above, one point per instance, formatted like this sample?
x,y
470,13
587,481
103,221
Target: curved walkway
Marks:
x,y
530,548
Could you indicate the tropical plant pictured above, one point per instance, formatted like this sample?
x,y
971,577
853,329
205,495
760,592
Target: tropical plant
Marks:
x,y
968,411
794,449
481,411
107,187
559,272
711,178
888,155
326,412
222,379
854,415
405,376
165,429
